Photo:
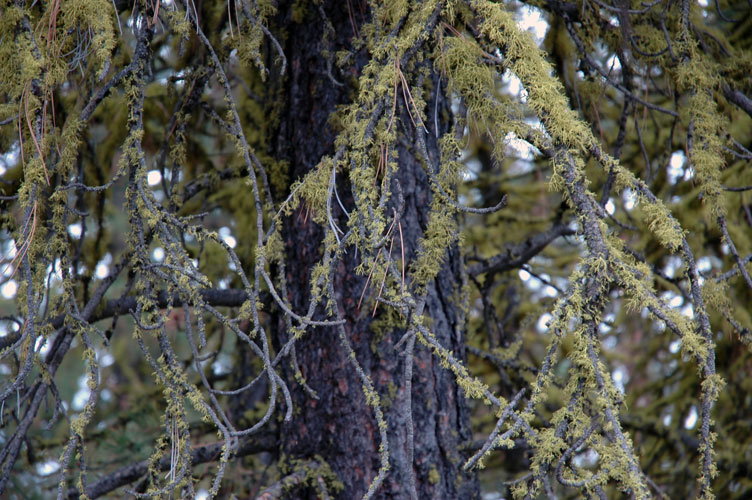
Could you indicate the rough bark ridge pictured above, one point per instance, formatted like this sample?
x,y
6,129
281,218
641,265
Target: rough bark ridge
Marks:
x,y
339,427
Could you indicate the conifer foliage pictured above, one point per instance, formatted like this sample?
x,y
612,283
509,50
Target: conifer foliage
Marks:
x,y
375,249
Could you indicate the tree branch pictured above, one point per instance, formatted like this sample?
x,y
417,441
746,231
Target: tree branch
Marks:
x,y
738,98
199,455
515,255
232,297
290,481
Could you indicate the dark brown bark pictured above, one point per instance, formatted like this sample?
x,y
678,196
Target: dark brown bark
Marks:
x,y
339,427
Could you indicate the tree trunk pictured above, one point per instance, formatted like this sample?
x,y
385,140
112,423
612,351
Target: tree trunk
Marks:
x,y
339,428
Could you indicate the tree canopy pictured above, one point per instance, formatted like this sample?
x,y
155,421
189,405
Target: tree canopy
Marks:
x,y
397,249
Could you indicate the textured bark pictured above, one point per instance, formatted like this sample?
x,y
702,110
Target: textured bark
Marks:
x,y
340,427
